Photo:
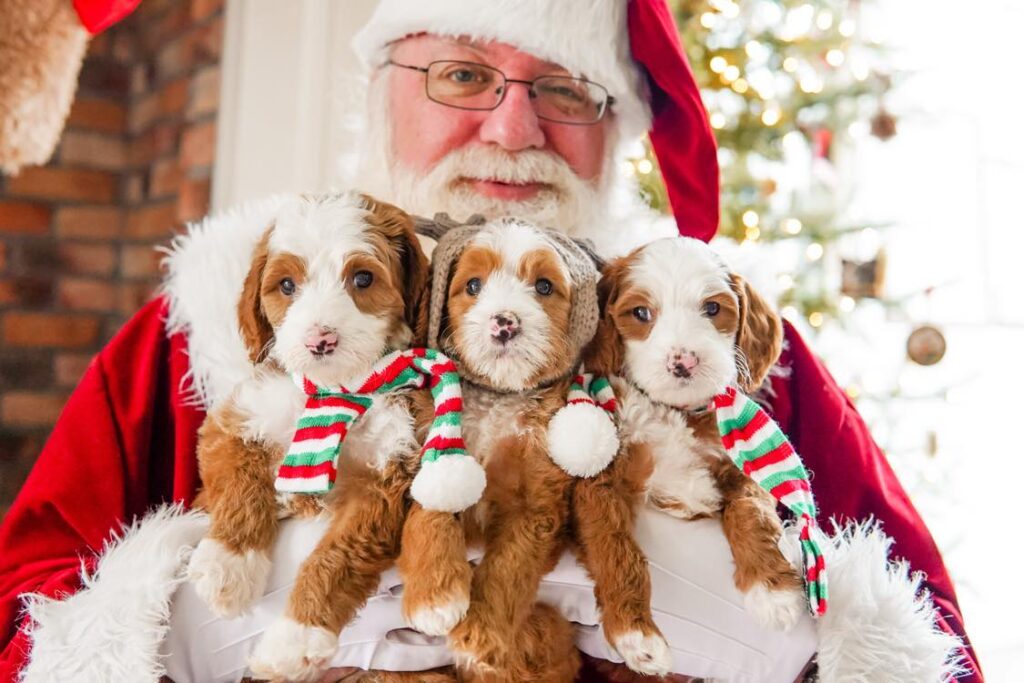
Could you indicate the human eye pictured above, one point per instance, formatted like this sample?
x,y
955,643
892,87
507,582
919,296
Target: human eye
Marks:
x,y
467,74
565,89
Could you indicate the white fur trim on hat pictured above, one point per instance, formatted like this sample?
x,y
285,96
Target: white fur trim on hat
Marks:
x,y
449,484
587,37
582,439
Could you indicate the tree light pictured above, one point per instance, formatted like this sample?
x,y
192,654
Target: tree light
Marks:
x,y
644,166
717,120
718,64
740,85
750,218
847,304
835,57
824,21
847,27
815,251
792,226
731,73
708,19
816,319
753,233
791,64
770,116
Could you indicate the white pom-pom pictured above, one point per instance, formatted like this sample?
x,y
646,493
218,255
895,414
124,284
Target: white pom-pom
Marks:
x,y
582,439
449,484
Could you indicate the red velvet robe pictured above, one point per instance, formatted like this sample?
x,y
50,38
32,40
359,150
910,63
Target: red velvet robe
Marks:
x,y
126,442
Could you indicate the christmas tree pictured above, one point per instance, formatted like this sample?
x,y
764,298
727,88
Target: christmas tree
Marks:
x,y
784,81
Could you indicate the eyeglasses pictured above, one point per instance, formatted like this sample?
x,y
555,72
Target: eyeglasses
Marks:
x,y
478,87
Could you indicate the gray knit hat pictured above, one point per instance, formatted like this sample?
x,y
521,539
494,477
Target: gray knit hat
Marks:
x,y
453,237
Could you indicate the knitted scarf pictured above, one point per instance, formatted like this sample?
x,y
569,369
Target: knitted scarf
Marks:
x,y
755,444
310,465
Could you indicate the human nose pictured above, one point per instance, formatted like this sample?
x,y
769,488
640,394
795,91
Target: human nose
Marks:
x,y
513,125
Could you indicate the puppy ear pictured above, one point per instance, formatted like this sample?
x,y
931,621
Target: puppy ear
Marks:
x,y
758,336
603,355
254,325
398,227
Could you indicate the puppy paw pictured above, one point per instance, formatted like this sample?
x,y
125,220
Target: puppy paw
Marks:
x,y
228,582
440,618
644,653
776,609
477,644
291,651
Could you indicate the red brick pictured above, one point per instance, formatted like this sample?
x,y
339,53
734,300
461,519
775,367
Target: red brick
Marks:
x,y
24,218
82,258
80,294
144,111
140,261
99,46
68,368
49,329
27,291
154,222
132,189
208,41
160,26
132,295
141,75
24,369
142,149
64,183
201,9
164,178
96,222
173,97
198,145
3,256
174,58
165,138
31,408
97,114
205,92
104,77
93,150
194,199
124,47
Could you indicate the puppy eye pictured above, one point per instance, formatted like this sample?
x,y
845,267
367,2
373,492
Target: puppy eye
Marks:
x,y
287,286
474,286
362,279
711,308
643,314
544,286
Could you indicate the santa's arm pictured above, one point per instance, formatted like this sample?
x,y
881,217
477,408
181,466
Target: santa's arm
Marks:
x,y
852,479
122,444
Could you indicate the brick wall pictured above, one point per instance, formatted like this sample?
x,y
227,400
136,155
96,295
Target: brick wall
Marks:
x,y
77,236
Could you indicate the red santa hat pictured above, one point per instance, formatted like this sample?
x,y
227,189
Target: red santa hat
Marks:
x,y
631,47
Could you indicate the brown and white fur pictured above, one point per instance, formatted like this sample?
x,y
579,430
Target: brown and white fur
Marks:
x,y
677,328
334,283
510,340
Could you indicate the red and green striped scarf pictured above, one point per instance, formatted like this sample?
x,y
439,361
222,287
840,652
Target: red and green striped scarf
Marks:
x,y
756,445
310,465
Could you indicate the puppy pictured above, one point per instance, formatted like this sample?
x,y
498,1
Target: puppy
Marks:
x,y
677,328
513,305
334,284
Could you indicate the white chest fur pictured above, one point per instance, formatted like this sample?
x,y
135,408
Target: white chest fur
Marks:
x,y
680,483
489,417
270,405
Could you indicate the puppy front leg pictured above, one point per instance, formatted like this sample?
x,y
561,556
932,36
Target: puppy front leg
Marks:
x,y
435,574
336,579
230,566
603,510
773,591
526,512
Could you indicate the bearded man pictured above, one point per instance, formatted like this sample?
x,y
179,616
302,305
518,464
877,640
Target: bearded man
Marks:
x,y
469,116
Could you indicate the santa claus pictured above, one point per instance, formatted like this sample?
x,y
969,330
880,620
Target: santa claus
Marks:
x,y
126,440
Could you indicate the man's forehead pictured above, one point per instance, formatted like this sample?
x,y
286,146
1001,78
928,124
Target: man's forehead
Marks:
x,y
489,51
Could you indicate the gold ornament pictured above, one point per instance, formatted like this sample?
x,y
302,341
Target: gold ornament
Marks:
x,y
926,345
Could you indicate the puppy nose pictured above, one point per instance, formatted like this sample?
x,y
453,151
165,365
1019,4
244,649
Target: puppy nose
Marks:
x,y
682,363
321,340
504,326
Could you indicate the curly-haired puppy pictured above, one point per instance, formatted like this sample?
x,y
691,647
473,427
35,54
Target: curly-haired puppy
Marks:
x,y
677,328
